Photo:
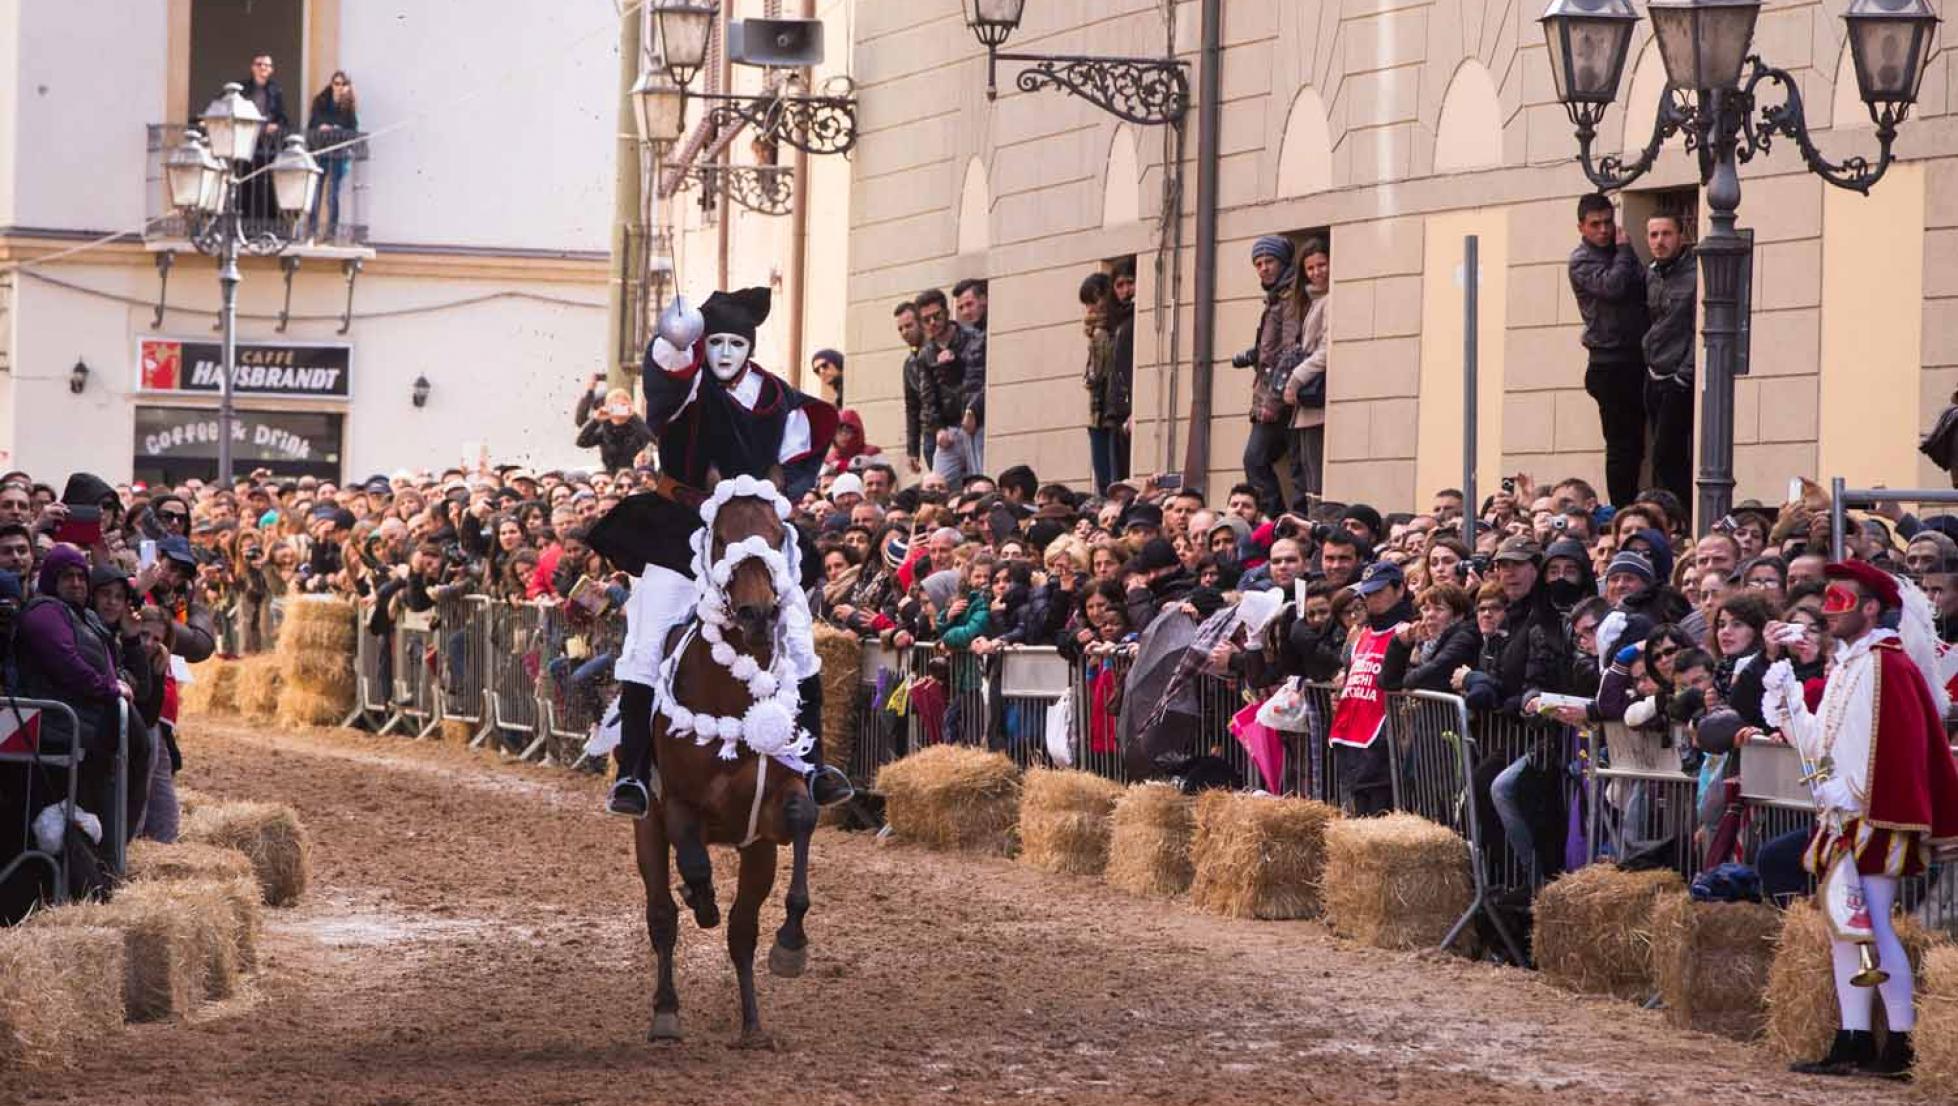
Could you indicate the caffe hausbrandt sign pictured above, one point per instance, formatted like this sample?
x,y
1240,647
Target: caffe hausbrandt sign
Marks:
x,y
287,370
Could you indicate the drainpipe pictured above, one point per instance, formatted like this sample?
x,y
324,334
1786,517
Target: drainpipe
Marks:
x,y
799,248
625,211
1196,460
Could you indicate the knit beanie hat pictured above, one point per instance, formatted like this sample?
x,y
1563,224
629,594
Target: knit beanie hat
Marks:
x,y
1273,245
1633,563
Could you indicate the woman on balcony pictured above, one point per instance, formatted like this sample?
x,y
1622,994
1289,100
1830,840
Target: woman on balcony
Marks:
x,y
333,120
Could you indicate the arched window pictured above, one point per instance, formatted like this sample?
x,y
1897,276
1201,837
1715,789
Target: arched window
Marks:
x,y
1121,198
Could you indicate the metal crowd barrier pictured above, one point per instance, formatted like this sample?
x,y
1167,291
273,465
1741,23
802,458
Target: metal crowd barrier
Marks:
x,y
26,730
464,625
515,657
576,682
1646,808
416,637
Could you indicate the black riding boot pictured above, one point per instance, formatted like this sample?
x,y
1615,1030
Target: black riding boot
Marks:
x,y
630,795
827,784
1852,1049
1893,1060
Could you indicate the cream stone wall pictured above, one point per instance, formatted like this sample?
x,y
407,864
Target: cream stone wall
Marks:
x,y
1400,125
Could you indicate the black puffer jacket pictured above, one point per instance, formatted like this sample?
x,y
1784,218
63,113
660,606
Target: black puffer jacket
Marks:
x,y
1610,289
1405,670
1671,293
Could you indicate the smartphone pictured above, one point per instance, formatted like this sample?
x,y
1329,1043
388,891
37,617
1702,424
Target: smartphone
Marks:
x,y
82,527
1169,480
1794,490
145,553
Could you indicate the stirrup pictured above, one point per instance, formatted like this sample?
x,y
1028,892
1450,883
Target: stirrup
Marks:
x,y
829,786
628,798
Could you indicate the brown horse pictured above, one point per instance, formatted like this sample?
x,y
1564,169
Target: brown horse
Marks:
x,y
705,800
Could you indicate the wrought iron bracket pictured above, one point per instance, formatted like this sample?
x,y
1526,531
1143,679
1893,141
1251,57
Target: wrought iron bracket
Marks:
x,y
165,260
1718,122
825,124
1144,91
289,263
767,189
351,267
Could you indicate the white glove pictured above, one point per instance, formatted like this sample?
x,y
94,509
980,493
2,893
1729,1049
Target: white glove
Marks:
x,y
1780,677
681,323
1836,794
1609,628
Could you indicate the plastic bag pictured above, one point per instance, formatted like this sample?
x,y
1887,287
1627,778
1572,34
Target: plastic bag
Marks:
x,y
1288,708
1060,730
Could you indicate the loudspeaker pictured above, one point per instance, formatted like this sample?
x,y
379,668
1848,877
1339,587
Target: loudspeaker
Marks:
x,y
775,43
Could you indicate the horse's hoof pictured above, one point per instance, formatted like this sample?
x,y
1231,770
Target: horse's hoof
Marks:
x,y
755,1040
787,962
666,1027
706,912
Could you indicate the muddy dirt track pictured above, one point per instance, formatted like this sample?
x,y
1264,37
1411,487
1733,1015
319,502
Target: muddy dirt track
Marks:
x,y
474,935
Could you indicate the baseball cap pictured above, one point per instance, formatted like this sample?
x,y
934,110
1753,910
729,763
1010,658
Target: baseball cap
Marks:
x,y
847,484
1379,576
1519,548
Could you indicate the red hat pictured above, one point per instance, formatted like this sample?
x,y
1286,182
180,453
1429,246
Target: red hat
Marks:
x,y
1876,581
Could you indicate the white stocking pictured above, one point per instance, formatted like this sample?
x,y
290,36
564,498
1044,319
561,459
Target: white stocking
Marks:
x,y
1899,1009
1858,1004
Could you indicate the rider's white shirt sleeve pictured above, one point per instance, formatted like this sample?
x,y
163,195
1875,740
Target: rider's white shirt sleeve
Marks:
x,y
795,437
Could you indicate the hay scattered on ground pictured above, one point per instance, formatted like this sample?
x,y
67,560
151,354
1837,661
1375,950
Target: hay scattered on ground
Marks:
x,y
1936,1039
269,834
1257,856
1711,961
1065,821
316,662
60,988
1398,882
1149,841
953,797
842,657
163,959
205,906
1593,929
260,680
189,799
1801,996
454,731
185,860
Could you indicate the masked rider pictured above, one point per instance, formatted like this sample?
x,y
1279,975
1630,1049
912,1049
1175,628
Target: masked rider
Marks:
x,y
715,412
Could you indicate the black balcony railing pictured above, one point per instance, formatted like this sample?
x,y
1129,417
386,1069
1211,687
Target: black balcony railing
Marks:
x,y
337,219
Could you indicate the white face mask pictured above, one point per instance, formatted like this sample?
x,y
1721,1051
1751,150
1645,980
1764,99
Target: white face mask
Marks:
x,y
727,354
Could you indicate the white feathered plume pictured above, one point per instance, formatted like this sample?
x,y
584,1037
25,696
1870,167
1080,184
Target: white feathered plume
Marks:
x,y
1917,628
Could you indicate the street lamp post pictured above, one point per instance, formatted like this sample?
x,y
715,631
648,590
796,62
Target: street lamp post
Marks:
x,y
202,177
1712,82
1145,91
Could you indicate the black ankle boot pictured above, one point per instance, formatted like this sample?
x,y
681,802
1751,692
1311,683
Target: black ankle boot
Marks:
x,y
1852,1049
1893,1060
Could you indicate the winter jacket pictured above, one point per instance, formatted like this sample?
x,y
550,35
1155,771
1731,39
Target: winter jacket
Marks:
x,y
1671,295
193,630
329,124
271,103
914,374
1423,668
1315,343
618,443
1145,603
1276,349
1610,287
1028,617
1536,654
947,392
961,632
1108,396
63,652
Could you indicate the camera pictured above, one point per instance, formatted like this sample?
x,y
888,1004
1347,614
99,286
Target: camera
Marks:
x,y
1727,525
1481,563
1509,485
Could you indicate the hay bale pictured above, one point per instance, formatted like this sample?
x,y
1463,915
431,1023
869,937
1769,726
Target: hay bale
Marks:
x,y
317,624
206,906
842,657
1258,856
189,798
213,688
454,731
1593,929
1398,882
1936,1039
302,706
1711,960
324,672
953,797
260,679
186,860
270,834
1064,821
60,987
163,952
1801,996
1149,841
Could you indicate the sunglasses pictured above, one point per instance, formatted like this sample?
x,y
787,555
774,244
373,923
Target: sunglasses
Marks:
x,y
1662,654
177,517
932,317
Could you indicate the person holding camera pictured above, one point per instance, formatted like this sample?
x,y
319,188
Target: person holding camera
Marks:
x,y
607,421
1273,356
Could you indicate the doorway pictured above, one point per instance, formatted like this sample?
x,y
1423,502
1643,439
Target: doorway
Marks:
x,y
226,34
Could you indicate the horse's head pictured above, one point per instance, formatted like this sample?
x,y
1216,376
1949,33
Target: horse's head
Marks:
x,y
750,588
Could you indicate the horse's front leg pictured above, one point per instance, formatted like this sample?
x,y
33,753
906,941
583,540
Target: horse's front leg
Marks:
x,y
696,867
743,928
662,923
791,952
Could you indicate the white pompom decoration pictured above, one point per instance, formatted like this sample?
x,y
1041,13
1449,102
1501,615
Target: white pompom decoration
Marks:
x,y
723,654
769,728
763,685
744,668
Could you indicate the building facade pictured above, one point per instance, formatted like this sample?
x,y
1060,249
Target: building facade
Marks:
x,y
475,232
1396,128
